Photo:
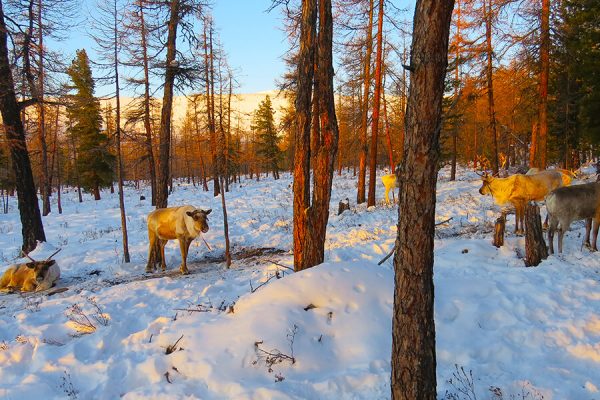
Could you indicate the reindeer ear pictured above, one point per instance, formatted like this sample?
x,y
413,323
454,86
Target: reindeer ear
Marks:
x,y
207,211
190,214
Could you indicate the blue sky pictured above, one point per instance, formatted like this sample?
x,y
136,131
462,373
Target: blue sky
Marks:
x,y
251,36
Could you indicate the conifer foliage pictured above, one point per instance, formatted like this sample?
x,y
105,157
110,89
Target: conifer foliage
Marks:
x,y
268,140
94,161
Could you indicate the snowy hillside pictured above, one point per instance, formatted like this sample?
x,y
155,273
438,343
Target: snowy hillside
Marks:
x,y
259,331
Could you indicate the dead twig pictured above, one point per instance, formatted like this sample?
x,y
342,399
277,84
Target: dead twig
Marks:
x,y
254,289
394,249
173,347
280,265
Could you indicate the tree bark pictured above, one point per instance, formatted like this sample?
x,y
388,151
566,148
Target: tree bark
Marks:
x,y
162,190
147,124
492,131
301,188
364,124
413,333
544,72
118,137
376,107
535,246
499,227
31,220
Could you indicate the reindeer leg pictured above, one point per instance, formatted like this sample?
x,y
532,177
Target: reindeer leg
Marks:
x,y
551,230
184,246
588,229
151,266
595,234
163,260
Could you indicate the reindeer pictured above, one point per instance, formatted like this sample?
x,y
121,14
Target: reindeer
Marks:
x,y
32,276
572,203
518,189
183,223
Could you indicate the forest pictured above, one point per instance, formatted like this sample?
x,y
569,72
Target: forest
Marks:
x,y
151,116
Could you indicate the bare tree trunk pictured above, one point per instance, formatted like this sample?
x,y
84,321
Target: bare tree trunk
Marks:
x,y
413,332
147,125
301,188
544,72
376,106
535,246
210,103
364,145
225,228
118,137
31,220
490,84
162,193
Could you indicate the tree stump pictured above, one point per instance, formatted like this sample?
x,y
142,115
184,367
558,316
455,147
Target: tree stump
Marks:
x,y
343,206
499,231
535,246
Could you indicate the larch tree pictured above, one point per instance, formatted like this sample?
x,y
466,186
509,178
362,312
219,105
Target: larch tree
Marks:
x,y
108,35
413,358
176,67
364,125
139,49
268,139
95,163
32,228
376,107
315,69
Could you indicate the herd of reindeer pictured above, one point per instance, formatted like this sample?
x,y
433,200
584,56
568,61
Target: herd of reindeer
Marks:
x,y
565,203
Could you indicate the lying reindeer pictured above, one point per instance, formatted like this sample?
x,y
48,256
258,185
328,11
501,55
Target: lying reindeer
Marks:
x,y
183,223
518,189
573,203
32,276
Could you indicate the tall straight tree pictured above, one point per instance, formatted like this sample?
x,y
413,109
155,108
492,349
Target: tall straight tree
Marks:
x,y
94,160
138,47
31,219
162,186
413,329
489,74
109,38
315,68
542,133
376,106
364,125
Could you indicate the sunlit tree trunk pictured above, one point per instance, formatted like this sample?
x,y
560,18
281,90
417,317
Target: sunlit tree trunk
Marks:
x,y
544,72
118,136
162,189
413,362
491,129
376,106
364,144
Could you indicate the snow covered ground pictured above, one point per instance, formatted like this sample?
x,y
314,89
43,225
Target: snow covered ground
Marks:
x,y
325,333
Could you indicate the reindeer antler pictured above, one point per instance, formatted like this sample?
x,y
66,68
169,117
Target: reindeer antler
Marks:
x,y
27,255
53,254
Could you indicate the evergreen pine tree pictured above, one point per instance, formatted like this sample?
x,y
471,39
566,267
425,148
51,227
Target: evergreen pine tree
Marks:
x,y
94,160
268,140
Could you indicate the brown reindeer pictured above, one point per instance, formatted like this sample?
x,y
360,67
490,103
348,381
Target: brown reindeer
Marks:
x,y
183,223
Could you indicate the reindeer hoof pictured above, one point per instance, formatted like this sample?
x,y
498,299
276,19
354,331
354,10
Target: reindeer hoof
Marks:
x,y
184,271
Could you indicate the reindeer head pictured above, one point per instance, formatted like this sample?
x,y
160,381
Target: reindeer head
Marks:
x,y
486,181
40,268
200,218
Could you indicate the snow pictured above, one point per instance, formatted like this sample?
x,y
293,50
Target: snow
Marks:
x,y
516,330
